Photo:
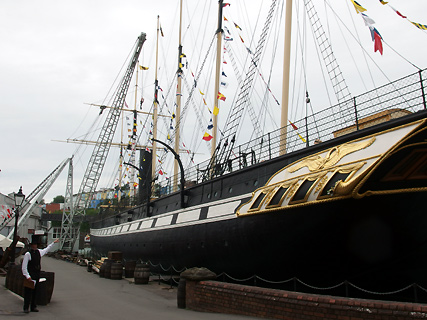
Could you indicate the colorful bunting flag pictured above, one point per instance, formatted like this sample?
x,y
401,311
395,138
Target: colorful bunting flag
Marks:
x,y
220,96
143,68
358,7
368,20
419,25
303,140
383,2
235,24
215,111
210,126
293,125
207,137
398,13
376,37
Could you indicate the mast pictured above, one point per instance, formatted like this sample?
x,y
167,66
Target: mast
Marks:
x,y
178,102
217,74
133,136
156,85
286,75
119,194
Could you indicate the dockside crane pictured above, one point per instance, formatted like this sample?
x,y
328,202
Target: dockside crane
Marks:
x,y
100,152
37,195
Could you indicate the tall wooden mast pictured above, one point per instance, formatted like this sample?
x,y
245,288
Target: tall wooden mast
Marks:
x,y
217,76
156,92
286,75
178,103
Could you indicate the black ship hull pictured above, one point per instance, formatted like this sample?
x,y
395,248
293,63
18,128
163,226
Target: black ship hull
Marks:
x,y
356,240
373,233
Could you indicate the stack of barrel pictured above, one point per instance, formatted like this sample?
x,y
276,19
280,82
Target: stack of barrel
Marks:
x,y
15,283
112,268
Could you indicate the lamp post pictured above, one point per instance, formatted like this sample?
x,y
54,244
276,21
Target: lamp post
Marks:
x,y
19,199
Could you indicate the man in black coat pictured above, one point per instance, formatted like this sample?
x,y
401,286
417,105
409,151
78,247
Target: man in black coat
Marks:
x,y
31,267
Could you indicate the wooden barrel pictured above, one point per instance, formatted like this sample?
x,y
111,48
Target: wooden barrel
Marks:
x,y
17,273
116,271
105,270
102,271
108,264
10,277
130,268
48,285
142,273
181,293
19,283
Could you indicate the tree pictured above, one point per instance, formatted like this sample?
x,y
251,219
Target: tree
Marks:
x,y
58,199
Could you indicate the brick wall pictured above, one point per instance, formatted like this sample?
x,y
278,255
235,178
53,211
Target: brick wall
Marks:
x,y
213,296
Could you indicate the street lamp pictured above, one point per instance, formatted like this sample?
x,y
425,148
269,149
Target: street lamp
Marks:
x,y
19,199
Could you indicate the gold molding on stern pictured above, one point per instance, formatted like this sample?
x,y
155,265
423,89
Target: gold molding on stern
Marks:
x,y
321,168
334,155
270,197
314,178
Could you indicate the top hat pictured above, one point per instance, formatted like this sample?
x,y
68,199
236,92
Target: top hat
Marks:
x,y
34,240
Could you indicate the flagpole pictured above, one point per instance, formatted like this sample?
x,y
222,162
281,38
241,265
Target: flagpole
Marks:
x,y
156,92
217,77
178,103
286,75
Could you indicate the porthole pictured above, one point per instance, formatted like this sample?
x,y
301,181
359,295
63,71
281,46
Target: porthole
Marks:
x,y
255,183
230,190
209,195
216,194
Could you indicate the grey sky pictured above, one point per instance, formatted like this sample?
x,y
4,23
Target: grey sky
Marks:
x,y
57,55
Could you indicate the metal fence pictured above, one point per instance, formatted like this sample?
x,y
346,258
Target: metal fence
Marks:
x,y
404,96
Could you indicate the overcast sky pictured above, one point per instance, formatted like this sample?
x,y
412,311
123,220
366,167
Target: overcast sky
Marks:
x,y
57,55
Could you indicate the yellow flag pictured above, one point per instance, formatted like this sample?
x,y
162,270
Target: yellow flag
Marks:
x,y
143,68
201,92
216,110
303,140
358,7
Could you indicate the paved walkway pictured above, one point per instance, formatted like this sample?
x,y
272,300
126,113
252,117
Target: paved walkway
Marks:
x,y
79,294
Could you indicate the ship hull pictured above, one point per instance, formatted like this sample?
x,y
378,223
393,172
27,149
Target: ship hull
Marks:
x,y
373,235
376,238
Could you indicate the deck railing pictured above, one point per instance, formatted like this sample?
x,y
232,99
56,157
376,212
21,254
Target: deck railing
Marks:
x,y
399,98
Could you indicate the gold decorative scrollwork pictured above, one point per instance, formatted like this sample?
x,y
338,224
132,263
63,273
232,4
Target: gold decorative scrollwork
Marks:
x,y
321,183
332,157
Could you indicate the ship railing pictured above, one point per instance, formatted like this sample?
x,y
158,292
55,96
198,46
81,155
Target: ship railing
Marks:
x,y
396,99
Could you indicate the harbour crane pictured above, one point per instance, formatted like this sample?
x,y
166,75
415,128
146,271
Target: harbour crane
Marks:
x,y
99,154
